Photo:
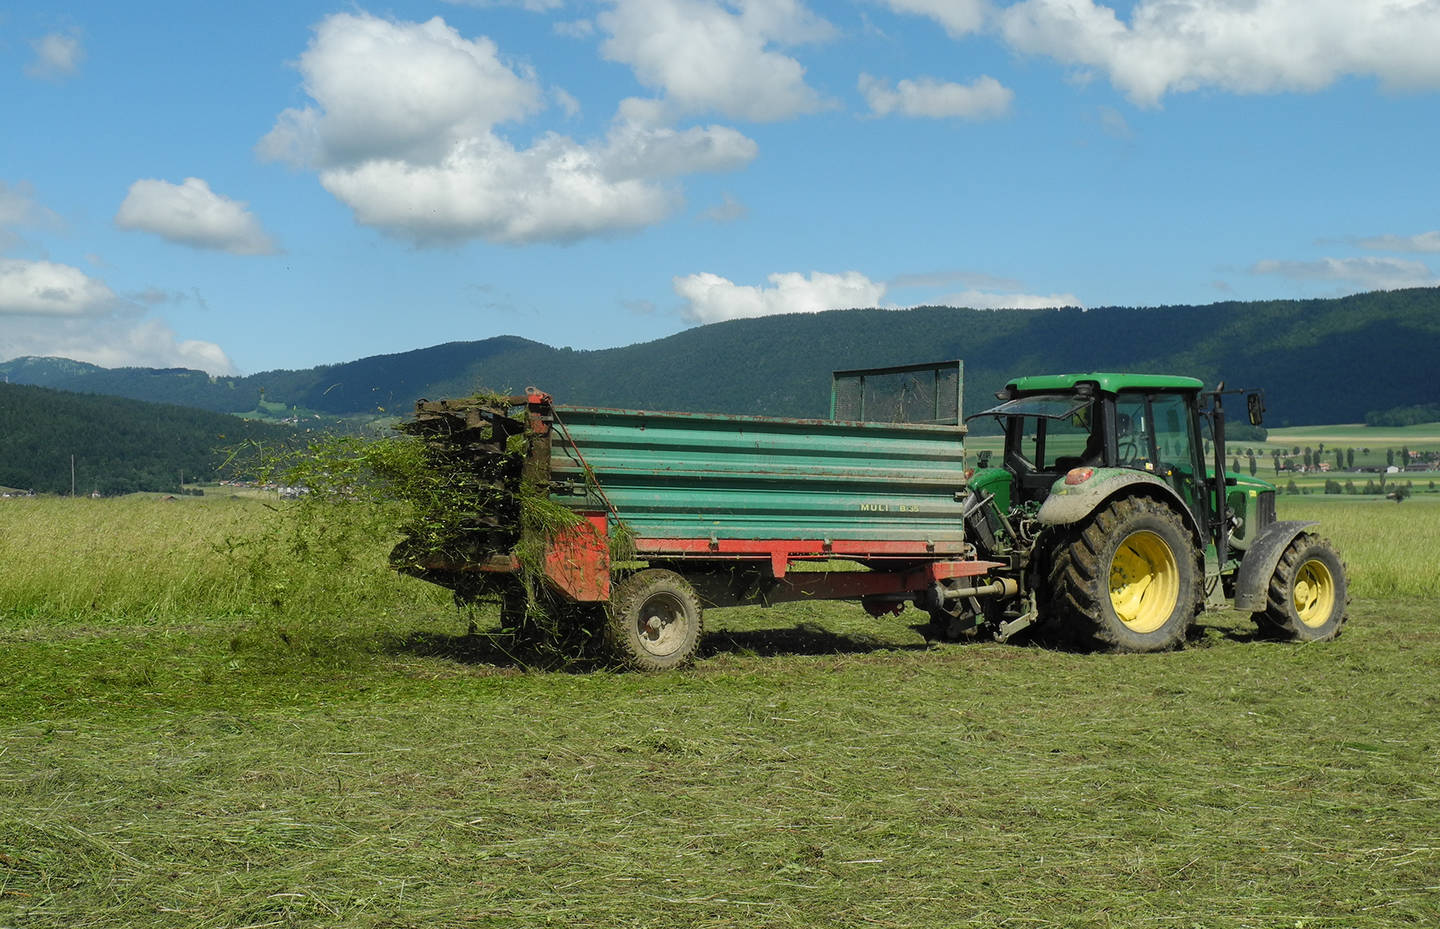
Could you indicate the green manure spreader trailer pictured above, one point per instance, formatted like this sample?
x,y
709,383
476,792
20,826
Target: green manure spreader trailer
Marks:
x,y
1109,519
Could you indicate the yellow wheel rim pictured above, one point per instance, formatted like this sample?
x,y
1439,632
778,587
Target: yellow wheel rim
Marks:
x,y
1144,582
1314,594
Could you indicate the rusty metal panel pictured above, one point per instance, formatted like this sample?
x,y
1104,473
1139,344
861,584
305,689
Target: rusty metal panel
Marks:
x,y
577,560
688,475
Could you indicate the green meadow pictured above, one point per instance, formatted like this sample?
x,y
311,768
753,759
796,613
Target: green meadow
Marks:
x,y
215,715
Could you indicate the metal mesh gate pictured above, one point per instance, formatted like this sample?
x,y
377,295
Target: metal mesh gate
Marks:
x,y
921,393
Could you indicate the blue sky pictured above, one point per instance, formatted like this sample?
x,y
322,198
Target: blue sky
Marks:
x,y
240,188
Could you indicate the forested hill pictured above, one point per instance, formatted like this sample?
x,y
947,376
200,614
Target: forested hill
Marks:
x,y
119,445
1320,361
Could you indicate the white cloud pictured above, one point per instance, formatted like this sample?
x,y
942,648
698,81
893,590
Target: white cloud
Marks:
x,y
396,90
565,101
633,151
1424,242
1370,273
57,56
986,98
1243,46
554,191
534,6
44,288
959,17
704,57
404,134
48,308
111,342
990,300
981,291
711,298
192,214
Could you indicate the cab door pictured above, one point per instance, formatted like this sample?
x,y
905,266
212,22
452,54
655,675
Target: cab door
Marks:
x,y
1156,431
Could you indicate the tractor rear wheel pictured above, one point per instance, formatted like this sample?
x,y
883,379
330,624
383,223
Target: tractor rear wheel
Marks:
x,y
1308,593
1128,578
654,621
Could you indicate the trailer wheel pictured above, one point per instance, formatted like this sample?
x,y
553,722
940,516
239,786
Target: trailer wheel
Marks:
x,y
1128,578
1308,592
654,621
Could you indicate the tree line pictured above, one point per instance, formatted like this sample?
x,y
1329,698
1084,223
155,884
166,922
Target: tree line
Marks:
x,y
118,445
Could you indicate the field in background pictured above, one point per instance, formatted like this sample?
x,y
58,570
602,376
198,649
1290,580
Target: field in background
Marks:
x,y
214,717
1375,449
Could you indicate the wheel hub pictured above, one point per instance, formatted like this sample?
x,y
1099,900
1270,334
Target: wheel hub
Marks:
x,y
661,625
1314,593
1144,581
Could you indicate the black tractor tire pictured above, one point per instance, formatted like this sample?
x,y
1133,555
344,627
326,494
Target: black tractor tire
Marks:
x,y
1308,592
654,621
1126,579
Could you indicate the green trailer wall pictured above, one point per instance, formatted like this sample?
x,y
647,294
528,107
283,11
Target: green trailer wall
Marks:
x,y
700,476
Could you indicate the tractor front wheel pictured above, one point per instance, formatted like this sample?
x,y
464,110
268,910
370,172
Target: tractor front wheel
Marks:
x,y
1307,595
1128,578
655,621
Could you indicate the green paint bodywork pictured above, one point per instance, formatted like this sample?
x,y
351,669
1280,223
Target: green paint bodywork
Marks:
x,y
993,481
1070,503
1245,482
1107,382
691,475
1243,499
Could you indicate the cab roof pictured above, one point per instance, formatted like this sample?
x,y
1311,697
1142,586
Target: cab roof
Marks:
x,y
1106,382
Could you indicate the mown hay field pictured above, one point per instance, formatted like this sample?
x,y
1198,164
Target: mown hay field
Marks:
x,y
212,717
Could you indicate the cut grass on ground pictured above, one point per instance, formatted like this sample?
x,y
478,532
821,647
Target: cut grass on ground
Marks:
x,y
851,780
310,742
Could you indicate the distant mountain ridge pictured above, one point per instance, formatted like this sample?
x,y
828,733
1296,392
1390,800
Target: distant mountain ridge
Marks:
x,y
1320,361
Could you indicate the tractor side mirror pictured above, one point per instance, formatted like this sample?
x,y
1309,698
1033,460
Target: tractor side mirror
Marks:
x,y
1255,406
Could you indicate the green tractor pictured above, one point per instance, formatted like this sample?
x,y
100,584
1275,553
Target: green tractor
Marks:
x,y
1114,530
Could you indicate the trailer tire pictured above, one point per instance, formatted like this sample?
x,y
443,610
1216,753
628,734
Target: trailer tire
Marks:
x,y
654,621
1308,592
1127,579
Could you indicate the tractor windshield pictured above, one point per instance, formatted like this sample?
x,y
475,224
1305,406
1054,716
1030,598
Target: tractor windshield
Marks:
x,y
1046,406
1049,432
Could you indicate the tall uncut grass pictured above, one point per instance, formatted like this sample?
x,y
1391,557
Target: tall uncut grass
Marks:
x,y
153,559
1390,548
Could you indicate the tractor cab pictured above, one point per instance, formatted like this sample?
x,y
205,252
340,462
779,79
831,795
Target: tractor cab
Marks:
x,y
1069,427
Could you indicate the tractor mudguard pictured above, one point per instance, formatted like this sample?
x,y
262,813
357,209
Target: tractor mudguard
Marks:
x,y
1070,503
1252,584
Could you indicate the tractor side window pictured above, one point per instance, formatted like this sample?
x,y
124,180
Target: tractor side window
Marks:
x,y
1175,443
1031,438
1172,430
1067,441
1154,434
1050,444
1132,432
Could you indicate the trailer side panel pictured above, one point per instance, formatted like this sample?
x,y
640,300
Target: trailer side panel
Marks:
x,y
708,477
